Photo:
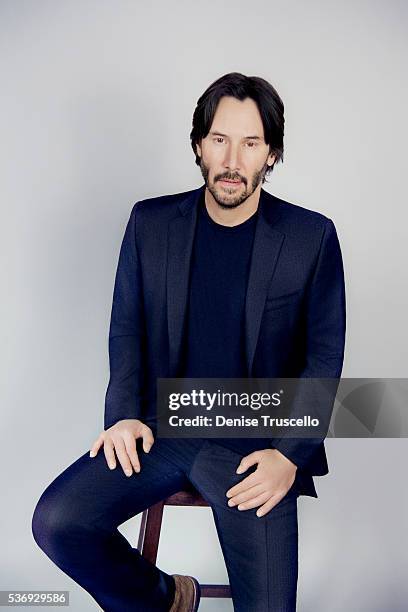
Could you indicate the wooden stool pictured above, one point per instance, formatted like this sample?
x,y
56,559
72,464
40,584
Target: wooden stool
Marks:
x,y
150,527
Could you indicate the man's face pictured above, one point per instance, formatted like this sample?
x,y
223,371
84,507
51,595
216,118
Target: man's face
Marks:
x,y
234,150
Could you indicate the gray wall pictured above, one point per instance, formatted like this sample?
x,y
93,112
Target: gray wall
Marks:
x,y
96,106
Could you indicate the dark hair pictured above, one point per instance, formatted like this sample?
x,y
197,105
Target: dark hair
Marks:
x,y
240,86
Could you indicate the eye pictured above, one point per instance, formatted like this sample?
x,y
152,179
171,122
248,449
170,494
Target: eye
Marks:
x,y
251,144
218,138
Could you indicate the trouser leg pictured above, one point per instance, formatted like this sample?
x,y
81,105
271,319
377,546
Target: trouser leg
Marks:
x,y
260,553
76,518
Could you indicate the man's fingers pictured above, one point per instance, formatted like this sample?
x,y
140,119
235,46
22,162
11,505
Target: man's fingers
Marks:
x,y
262,498
130,444
243,485
108,449
122,441
122,455
247,495
247,461
275,499
148,439
96,445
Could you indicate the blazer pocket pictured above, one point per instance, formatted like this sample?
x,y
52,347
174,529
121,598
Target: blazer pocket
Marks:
x,y
273,302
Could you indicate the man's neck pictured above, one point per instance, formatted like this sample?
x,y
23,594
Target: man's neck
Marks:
x,y
232,216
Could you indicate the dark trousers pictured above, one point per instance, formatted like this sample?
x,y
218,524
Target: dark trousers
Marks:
x,y
76,518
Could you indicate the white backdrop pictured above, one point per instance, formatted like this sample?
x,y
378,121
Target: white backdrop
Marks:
x,y
96,107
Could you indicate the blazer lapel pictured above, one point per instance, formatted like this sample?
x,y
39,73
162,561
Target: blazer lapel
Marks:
x,y
265,254
266,248
179,251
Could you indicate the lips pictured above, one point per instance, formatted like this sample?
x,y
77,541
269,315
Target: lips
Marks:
x,y
230,182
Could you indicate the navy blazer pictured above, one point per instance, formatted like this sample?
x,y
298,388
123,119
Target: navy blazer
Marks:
x,y
295,314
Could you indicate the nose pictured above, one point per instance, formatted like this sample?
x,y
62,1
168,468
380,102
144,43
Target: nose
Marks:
x,y
231,160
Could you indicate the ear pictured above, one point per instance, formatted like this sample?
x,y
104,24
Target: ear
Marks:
x,y
271,159
198,149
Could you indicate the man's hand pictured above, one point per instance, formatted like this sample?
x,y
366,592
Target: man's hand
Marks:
x,y
269,483
122,437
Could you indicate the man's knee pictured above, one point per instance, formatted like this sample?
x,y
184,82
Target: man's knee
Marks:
x,y
56,520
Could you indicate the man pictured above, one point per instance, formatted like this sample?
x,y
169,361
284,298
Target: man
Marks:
x,y
221,281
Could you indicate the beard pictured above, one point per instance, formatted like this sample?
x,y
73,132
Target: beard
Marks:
x,y
227,198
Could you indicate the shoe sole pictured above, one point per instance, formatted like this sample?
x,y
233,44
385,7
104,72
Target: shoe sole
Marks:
x,y
197,594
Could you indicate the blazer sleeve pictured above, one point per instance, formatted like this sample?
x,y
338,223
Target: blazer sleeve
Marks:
x,y
126,332
325,317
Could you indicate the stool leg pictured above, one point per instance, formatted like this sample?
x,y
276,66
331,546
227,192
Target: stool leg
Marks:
x,y
149,533
142,530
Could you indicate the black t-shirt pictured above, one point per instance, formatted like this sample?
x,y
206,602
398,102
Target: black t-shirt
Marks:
x,y
214,341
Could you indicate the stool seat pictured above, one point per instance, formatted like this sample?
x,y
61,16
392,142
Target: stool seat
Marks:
x,y
149,534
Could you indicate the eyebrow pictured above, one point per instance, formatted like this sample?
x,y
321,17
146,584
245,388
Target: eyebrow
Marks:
x,y
245,137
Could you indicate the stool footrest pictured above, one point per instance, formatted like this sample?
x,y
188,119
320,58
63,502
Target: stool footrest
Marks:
x,y
215,590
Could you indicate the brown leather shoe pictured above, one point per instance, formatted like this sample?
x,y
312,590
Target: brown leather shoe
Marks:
x,y
187,596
